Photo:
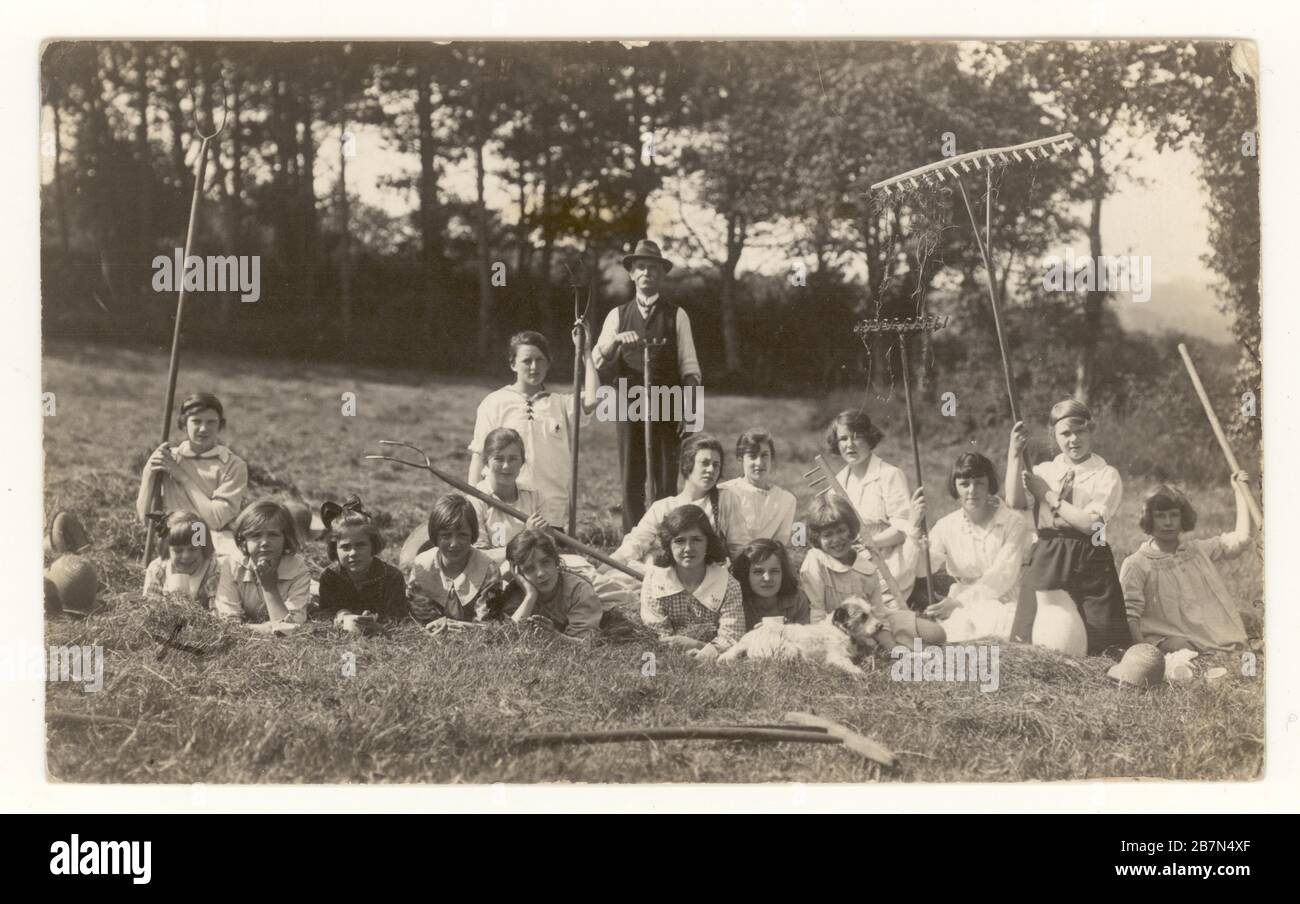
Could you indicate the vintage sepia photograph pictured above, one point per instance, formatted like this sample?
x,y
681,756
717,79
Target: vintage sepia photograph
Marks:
x,y
655,411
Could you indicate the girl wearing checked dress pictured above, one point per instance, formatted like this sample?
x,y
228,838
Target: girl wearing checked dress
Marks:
x,y
1176,598
689,599
1070,597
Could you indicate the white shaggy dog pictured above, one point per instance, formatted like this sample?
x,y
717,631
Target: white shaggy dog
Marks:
x,y
836,641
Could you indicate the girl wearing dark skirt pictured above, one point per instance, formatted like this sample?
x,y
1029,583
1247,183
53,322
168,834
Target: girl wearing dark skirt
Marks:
x,y
1070,597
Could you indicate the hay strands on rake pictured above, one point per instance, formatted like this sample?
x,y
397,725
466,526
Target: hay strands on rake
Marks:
x,y
559,536
806,728
953,167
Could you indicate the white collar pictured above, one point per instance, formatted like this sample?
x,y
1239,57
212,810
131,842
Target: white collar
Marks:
x,y
862,564
1093,462
661,582
647,303
872,472
185,450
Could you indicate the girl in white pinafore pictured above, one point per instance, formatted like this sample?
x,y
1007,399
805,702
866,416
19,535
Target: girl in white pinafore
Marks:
x,y
980,546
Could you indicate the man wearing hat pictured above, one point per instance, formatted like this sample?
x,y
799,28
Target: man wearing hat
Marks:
x,y
618,355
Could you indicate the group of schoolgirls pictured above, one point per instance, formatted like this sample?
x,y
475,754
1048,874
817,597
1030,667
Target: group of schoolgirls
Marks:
x,y
718,556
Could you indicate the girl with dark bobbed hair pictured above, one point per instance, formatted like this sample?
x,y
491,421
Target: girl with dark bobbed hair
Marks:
x,y
1175,596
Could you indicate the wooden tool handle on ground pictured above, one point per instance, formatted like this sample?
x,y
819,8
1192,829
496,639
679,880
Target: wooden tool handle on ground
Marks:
x,y
1251,503
851,739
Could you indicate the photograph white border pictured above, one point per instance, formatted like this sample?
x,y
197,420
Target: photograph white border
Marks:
x,y
24,786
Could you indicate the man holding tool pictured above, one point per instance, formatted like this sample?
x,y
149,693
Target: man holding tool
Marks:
x,y
621,357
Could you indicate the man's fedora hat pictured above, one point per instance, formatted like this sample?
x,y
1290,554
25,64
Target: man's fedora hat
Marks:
x,y
646,250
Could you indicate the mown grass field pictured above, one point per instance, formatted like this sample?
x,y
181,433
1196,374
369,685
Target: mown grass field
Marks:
x,y
445,709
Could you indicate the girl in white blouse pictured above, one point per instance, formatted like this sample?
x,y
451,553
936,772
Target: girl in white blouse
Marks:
x,y
879,493
1070,597
980,546
702,461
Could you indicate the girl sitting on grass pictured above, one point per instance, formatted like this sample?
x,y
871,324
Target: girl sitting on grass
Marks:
x,y
768,509
357,587
1175,595
878,490
200,475
1070,598
547,595
836,568
980,546
702,460
187,564
503,449
268,583
688,598
450,578
769,587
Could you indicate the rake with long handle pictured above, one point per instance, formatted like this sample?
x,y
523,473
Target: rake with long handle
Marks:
x,y
559,536
173,367
1251,502
939,172
902,329
833,486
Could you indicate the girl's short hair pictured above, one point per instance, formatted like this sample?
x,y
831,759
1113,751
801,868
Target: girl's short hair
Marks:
x,y
177,529
752,441
856,421
197,402
450,512
526,542
1071,409
353,519
693,446
529,337
680,520
972,465
1164,497
503,438
829,510
262,513
761,550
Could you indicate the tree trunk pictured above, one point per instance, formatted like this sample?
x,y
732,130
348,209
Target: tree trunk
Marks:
x,y
234,202
736,229
60,201
144,162
485,306
430,229
309,238
345,241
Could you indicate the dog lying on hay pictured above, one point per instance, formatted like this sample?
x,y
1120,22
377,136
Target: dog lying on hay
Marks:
x,y
848,635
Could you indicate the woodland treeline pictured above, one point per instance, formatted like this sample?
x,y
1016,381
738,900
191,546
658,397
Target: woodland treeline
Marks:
x,y
763,146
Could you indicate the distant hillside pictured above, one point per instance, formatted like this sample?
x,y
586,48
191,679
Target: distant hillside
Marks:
x,y
1184,305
